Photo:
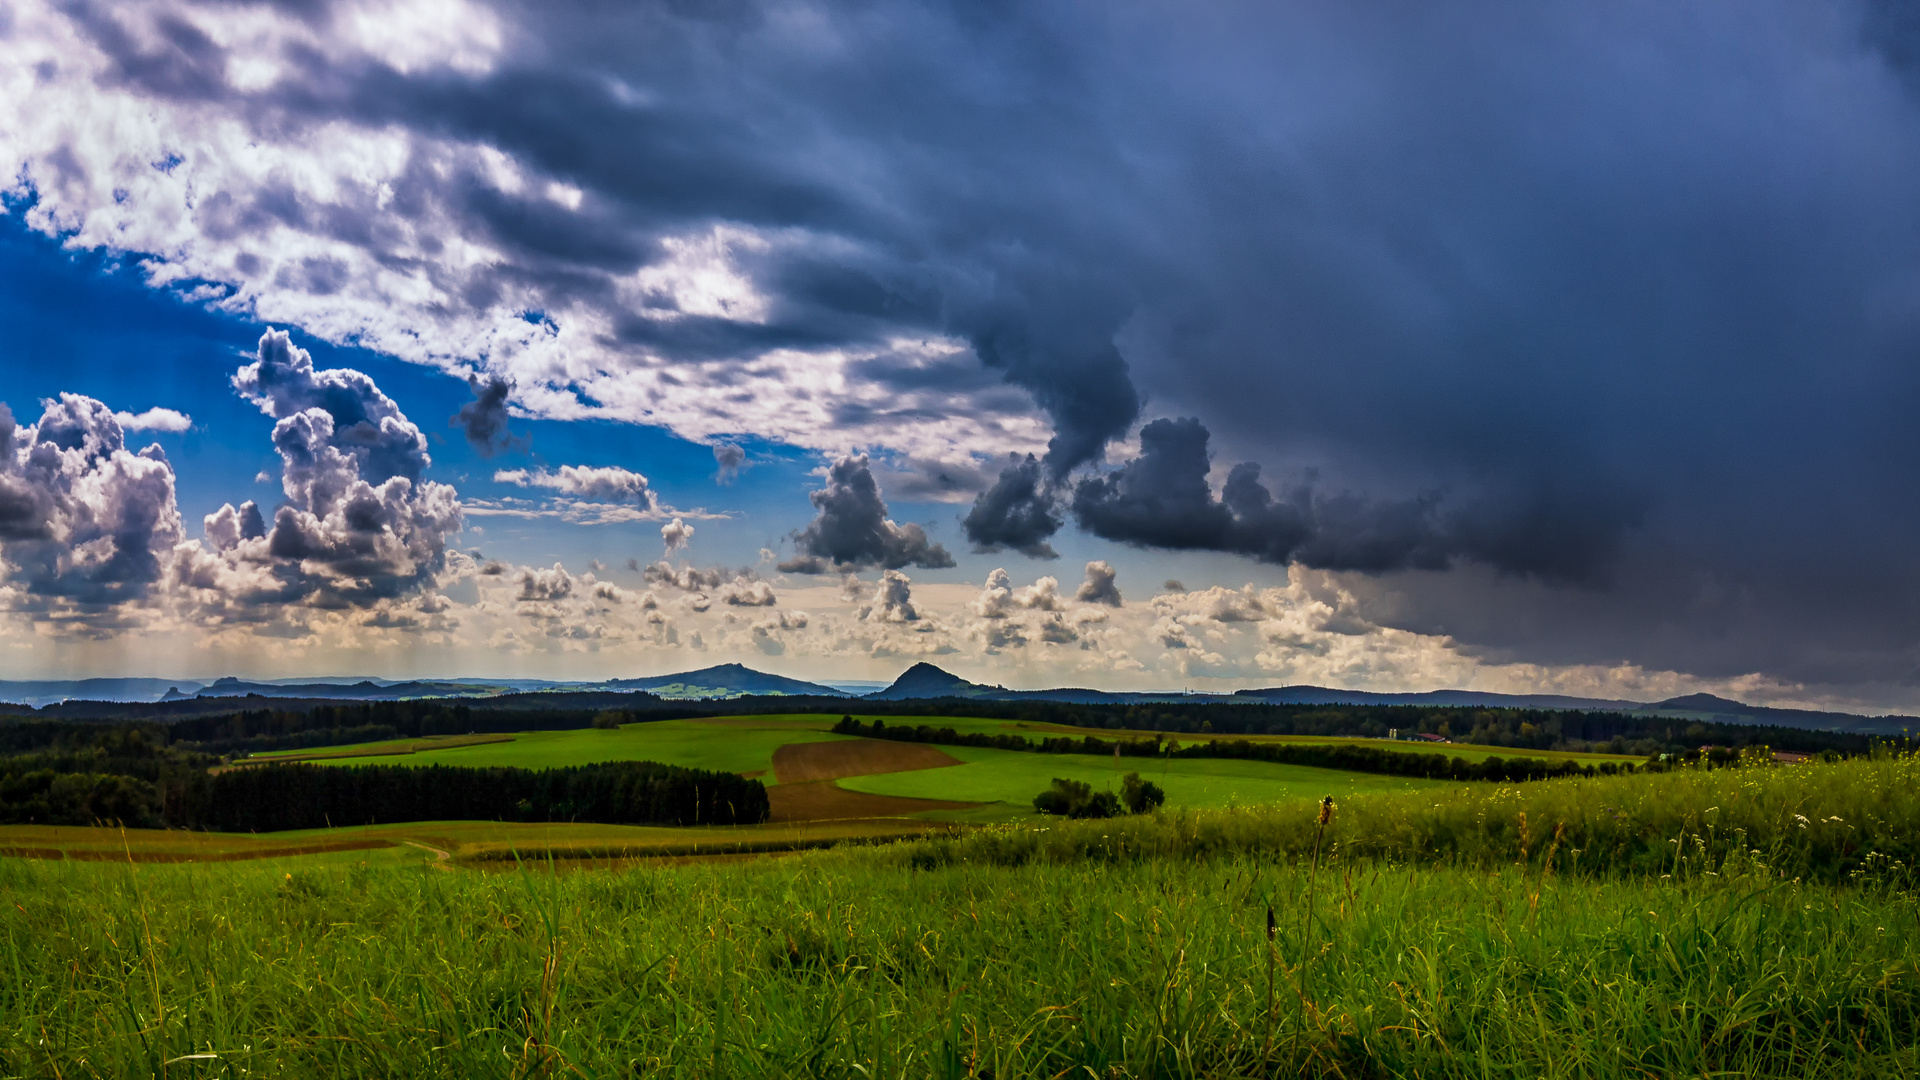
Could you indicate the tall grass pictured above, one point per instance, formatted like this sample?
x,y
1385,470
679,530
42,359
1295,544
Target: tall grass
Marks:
x,y
1817,822
860,964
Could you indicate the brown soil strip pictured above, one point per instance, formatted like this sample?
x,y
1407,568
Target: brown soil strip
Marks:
x,y
823,800
105,855
800,763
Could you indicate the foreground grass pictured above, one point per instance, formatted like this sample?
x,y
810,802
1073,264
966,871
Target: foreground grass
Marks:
x,y
464,842
1833,823
1753,922
838,964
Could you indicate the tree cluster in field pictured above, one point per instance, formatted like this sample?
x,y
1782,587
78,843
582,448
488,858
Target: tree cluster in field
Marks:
x,y
1077,799
1344,756
113,774
94,773
271,798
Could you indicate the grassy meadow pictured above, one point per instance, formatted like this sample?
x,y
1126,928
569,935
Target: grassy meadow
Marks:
x,y
732,744
1758,921
1006,781
1013,778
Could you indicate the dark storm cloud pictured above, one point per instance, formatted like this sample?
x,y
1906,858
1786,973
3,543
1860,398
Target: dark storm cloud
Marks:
x,y
1616,296
1017,512
1163,499
484,419
731,459
852,530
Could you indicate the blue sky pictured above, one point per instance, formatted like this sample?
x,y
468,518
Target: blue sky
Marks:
x,y
1513,348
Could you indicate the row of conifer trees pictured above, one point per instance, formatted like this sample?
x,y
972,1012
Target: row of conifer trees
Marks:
x,y
270,798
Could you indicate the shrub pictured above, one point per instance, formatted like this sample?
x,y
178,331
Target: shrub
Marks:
x,y
1075,799
1140,796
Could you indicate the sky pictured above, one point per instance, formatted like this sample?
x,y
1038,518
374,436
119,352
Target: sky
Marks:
x,y
1514,347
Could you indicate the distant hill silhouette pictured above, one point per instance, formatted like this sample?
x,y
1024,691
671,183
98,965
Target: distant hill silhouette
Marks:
x,y
723,680
364,690
924,680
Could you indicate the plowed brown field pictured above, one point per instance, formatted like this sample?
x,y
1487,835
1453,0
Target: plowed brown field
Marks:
x,y
800,763
822,800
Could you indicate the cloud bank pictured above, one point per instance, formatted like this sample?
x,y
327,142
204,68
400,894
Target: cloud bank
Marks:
x,y
1627,383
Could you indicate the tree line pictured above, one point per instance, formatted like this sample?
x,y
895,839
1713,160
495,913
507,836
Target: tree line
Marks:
x,y
1343,756
121,775
272,798
252,725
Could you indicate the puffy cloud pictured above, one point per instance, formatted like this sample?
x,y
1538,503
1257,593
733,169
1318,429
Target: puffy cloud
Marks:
x,y
358,527
747,593
606,482
737,588
999,604
996,597
1054,630
545,585
1230,605
730,459
687,577
228,526
362,423
675,535
892,599
154,419
852,530
1100,587
1042,595
1017,512
484,419
86,525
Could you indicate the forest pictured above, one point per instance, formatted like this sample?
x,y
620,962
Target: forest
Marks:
x,y
124,777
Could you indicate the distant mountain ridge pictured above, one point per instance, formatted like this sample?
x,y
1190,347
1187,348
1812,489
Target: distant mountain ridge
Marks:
x,y
38,692
922,681
1321,695
364,690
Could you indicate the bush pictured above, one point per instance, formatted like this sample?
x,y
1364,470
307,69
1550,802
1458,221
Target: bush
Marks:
x,y
1140,796
1074,799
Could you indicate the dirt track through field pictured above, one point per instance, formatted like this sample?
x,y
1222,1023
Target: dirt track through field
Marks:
x,y
823,800
800,763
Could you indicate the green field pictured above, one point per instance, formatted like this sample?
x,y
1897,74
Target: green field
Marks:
x,y
745,744
1014,778
731,744
1036,732
1751,922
